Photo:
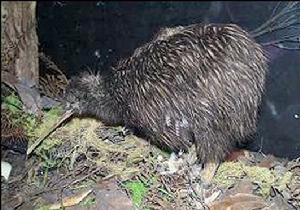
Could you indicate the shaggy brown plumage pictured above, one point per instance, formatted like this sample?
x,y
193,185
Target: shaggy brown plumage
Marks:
x,y
197,84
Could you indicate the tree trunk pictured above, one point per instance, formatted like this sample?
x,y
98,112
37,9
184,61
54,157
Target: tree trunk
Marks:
x,y
19,41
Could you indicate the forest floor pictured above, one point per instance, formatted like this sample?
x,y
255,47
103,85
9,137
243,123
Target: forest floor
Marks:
x,y
86,165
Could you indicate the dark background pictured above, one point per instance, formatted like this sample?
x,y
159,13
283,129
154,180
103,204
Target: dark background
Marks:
x,y
77,35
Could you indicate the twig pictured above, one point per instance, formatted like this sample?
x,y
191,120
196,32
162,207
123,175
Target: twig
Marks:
x,y
64,117
286,22
275,9
83,178
291,38
286,48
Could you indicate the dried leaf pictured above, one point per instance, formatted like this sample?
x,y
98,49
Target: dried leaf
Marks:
x,y
239,201
70,200
110,197
248,205
244,186
213,197
267,162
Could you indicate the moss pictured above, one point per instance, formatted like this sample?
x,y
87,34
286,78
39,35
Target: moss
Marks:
x,y
49,119
43,208
18,117
286,179
33,127
228,173
12,103
265,178
88,201
137,191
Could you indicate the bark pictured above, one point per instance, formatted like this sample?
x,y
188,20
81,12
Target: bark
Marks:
x,y
19,41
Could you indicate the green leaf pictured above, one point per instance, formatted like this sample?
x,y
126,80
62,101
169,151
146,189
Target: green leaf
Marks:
x,y
137,190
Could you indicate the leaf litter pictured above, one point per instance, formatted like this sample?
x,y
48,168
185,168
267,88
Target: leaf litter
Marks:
x,y
85,164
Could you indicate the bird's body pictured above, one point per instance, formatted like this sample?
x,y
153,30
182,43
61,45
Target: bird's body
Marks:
x,y
197,84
